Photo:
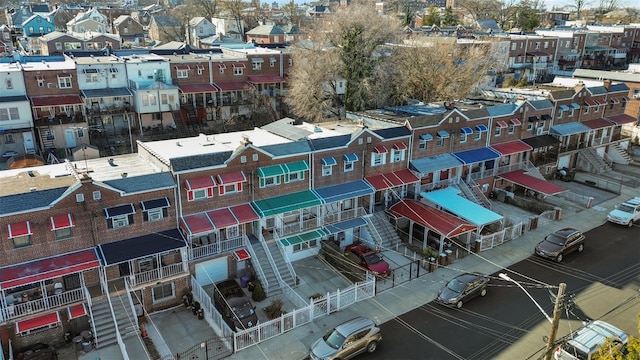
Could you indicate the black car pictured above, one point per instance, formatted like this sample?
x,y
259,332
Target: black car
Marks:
x,y
463,288
234,305
560,243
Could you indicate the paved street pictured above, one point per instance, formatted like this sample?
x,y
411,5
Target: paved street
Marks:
x,y
507,325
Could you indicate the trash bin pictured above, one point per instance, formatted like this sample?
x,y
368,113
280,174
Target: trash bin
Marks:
x,y
244,280
87,346
86,335
78,342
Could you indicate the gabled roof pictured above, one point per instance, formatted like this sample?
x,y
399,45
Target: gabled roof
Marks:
x,y
199,161
290,148
166,20
393,132
265,30
473,114
562,94
618,88
143,183
597,90
34,16
197,20
541,104
31,200
502,110
330,142
424,121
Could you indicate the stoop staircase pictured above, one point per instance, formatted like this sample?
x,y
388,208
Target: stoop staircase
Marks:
x,y
628,159
181,125
282,265
597,164
105,329
378,223
262,261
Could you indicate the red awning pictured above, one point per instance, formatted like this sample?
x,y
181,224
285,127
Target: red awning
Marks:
x,y
64,75
48,268
37,322
222,218
244,213
222,66
533,183
502,124
406,176
511,147
624,98
597,123
18,229
233,86
380,149
39,78
182,67
238,65
265,79
622,119
590,102
242,255
196,224
434,219
379,182
61,222
197,88
59,100
615,100
516,122
199,183
400,146
231,178
76,311
199,67
601,101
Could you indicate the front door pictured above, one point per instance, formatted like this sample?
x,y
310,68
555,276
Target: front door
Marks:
x,y
70,137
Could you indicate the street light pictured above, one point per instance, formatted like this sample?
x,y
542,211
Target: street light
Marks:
x,y
556,313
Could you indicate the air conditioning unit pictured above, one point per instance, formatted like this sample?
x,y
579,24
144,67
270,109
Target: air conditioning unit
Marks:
x,y
539,130
155,216
120,223
51,85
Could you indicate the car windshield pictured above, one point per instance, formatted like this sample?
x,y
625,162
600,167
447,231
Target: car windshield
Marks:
x,y
243,310
456,285
625,208
555,239
334,339
372,259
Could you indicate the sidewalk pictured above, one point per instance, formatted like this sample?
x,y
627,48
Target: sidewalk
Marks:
x,y
401,299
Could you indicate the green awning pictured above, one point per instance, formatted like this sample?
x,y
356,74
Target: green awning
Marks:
x,y
270,171
296,166
284,203
312,235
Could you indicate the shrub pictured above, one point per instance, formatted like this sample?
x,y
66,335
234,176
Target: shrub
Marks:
x,y
258,293
274,310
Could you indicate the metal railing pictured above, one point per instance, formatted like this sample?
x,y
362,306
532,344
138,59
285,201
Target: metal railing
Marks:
x,y
297,300
298,226
475,189
212,316
217,247
272,262
285,257
87,296
438,184
121,344
374,233
339,216
133,308
256,264
157,274
586,201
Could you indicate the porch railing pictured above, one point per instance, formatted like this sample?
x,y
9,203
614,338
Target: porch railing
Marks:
x,y
286,259
297,227
257,267
43,304
217,247
343,215
87,296
157,274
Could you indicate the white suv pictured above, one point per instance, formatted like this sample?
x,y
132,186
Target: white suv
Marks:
x,y
626,213
586,341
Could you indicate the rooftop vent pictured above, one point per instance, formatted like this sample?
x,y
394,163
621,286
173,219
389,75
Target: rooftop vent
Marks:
x,y
207,140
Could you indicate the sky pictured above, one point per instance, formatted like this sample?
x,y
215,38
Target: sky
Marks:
x,y
559,3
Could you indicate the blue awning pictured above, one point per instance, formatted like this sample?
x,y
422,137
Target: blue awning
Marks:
x,y
344,225
466,130
443,134
328,161
575,106
344,191
426,137
107,92
430,164
481,128
569,129
476,155
350,157
564,108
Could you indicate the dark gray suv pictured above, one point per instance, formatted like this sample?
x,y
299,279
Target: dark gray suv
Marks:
x,y
560,243
234,305
347,340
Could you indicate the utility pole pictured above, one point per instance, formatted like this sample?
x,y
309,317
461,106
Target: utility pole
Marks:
x,y
557,310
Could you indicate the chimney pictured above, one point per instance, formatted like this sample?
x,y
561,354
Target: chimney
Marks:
x,y
579,86
607,84
245,141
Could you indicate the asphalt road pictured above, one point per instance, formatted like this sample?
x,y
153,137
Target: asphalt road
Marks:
x,y
603,282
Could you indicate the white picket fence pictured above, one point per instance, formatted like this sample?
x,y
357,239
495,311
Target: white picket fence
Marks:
x,y
497,238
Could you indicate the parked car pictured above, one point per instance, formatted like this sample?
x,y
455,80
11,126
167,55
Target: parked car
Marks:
x,y
626,213
347,340
586,341
463,288
558,244
37,351
234,305
368,258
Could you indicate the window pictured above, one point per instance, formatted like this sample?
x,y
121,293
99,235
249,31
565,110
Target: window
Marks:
x,y
91,78
237,71
560,113
243,159
8,139
164,99
182,74
397,155
514,46
79,197
232,232
378,159
200,69
422,145
157,214
163,292
230,188
9,114
597,109
349,166
530,126
512,128
120,221
97,195
537,45
21,241
40,80
256,66
290,62
255,157
80,132
439,141
198,194
478,136
498,131
571,112
272,62
295,176
327,170
270,181
64,82
586,109
546,44
463,138
62,234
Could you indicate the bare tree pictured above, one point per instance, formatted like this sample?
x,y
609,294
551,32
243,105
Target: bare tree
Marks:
x,y
206,8
478,9
234,8
607,6
579,5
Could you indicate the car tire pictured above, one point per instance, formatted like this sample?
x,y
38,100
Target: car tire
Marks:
x,y
580,247
483,292
630,224
372,346
459,304
559,258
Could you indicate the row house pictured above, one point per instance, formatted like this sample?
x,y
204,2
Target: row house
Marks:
x,y
631,79
531,55
57,43
86,235
16,119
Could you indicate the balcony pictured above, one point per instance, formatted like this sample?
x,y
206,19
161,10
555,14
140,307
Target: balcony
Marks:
x,y
335,217
28,305
61,118
157,274
201,250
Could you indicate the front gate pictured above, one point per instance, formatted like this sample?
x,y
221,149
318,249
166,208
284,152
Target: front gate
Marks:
x,y
211,349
